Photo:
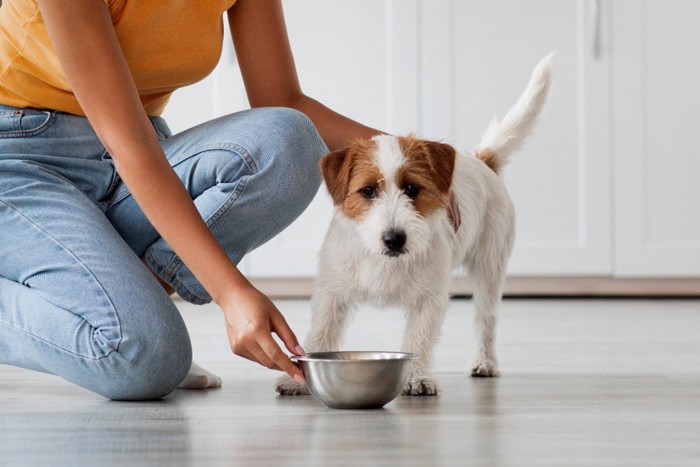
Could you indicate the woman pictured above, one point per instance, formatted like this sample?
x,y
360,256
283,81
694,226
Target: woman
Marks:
x,y
102,210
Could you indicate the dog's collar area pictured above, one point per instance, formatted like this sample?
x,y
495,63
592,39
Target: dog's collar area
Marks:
x,y
453,212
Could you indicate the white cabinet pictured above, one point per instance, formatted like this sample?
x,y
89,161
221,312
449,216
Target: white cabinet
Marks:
x,y
560,183
656,97
605,187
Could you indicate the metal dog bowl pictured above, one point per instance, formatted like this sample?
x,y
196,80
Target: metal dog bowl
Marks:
x,y
355,380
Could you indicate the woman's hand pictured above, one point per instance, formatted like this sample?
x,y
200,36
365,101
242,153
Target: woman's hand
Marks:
x,y
251,318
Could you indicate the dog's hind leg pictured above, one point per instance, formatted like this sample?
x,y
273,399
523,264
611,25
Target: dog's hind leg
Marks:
x,y
486,298
487,270
422,329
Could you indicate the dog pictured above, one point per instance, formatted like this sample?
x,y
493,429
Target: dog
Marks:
x,y
408,212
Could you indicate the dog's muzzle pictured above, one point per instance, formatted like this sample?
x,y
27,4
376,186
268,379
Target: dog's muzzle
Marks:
x,y
394,241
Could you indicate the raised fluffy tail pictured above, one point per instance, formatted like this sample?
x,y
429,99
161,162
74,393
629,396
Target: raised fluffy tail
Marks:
x,y
503,138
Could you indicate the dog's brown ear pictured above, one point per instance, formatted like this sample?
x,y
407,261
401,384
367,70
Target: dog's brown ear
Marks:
x,y
442,159
335,167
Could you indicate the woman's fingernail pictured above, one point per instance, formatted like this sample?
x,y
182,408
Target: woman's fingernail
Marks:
x,y
299,379
299,350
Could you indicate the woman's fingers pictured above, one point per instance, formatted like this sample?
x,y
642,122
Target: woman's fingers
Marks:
x,y
260,347
279,358
282,329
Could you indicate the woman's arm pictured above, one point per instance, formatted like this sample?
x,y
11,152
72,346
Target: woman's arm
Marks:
x,y
91,57
270,77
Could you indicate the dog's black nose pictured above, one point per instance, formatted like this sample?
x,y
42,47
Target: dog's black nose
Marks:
x,y
394,241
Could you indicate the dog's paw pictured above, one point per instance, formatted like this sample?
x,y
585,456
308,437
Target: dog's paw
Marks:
x,y
482,367
286,386
420,386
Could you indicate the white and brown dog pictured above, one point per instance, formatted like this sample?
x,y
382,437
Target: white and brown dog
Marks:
x,y
408,212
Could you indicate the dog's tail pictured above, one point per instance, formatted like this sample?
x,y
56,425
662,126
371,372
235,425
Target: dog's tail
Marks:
x,y
503,138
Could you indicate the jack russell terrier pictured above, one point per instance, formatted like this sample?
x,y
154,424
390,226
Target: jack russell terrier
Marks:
x,y
408,212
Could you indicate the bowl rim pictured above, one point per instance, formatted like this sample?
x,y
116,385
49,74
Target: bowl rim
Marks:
x,y
313,356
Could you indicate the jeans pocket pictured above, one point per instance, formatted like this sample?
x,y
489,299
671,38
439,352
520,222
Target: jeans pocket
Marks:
x,y
19,123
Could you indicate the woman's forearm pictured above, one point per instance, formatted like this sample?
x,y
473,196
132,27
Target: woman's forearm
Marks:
x,y
336,130
169,207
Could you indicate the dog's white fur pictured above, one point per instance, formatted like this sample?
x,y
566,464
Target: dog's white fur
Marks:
x,y
355,268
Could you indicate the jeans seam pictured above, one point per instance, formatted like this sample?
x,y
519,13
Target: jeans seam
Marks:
x,y
228,202
116,179
233,148
243,153
29,133
168,275
84,266
62,349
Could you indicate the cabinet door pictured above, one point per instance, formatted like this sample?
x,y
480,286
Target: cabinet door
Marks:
x,y
476,59
656,89
357,57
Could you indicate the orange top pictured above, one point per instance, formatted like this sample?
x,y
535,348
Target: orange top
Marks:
x,y
168,44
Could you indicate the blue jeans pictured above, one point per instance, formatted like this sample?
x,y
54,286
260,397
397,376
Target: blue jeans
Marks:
x,y
75,299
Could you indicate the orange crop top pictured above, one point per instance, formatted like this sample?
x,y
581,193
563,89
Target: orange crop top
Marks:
x,y
168,44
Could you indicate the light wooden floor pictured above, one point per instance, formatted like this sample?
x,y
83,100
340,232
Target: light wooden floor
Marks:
x,y
585,382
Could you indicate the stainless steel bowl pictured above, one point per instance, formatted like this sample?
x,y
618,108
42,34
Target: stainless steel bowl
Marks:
x,y
355,380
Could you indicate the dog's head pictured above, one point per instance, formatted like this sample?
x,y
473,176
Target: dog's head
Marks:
x,y
394,189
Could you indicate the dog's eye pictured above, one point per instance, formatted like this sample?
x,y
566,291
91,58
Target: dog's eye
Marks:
x,y
411,190
369,192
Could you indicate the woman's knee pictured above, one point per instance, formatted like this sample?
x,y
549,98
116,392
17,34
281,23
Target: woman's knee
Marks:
x,y
295,152
150,363
157,375
277,148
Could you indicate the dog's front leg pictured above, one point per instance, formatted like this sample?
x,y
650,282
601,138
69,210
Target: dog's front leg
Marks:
x,y
330,313
329,318
422,329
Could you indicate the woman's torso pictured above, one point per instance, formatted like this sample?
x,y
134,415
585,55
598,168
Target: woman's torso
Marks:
x,y
168,44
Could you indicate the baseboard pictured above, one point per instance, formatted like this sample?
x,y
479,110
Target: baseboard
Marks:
x,y
527,287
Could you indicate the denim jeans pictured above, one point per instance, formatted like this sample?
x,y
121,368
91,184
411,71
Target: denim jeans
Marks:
x,y
75,299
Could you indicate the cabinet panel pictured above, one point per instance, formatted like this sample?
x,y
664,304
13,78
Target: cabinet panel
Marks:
x,y
358,58
560,183
656,107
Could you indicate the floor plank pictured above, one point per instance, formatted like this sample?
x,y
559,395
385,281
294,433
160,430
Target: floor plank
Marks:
x,y
585,382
